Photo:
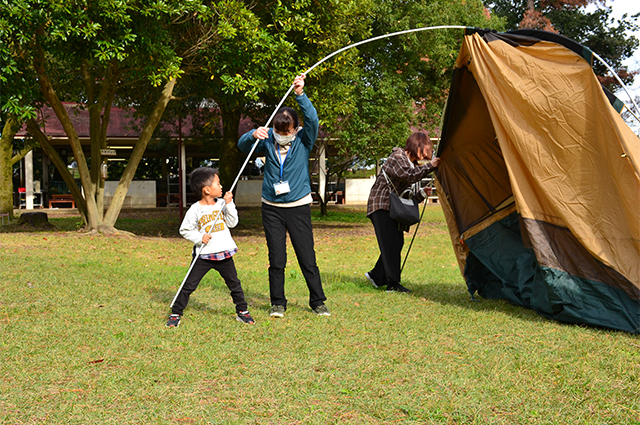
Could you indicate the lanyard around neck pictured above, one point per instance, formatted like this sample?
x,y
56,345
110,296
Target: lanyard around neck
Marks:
x,y
280,160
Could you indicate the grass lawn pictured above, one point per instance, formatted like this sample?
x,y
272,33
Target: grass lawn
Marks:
x,y
83,341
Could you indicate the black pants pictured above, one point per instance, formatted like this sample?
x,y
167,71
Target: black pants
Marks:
x,y
227,270
390,242
297,221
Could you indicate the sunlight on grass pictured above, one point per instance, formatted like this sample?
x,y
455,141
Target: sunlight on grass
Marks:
x,y
83,341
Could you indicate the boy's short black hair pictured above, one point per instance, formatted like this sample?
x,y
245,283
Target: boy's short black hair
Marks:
x,y
285,119
200,178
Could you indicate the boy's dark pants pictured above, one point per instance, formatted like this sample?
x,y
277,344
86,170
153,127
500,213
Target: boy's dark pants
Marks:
x,y
297,221
227,270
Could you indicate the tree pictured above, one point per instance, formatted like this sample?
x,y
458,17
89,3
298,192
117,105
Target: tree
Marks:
x,y
403,81
532,14
18,97
85,52
262,46
10,127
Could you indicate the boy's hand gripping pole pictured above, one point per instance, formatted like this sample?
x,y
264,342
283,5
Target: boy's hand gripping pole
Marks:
x,y
195,258
253,148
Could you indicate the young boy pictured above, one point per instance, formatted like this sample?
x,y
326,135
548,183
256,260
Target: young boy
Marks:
x,y
219,246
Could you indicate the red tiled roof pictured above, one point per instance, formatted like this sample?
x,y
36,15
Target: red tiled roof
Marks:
x,y
122,125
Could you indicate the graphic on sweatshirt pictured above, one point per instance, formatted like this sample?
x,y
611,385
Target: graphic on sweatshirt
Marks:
x,y
207,219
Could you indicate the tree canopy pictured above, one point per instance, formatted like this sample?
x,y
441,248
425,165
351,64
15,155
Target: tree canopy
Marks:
x,y
402,82
260,49
84,52
238,56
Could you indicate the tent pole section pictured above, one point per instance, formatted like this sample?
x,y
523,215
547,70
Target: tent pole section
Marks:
x,y
328,57
619,80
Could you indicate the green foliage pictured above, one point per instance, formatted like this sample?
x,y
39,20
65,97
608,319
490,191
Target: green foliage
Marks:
x,y
96,54
257,60
403,81
98,33
258,51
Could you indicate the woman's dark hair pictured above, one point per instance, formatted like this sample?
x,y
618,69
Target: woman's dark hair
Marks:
x,y
285,119
200,178
415,143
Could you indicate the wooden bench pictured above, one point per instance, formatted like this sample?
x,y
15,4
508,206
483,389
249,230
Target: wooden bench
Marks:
x,y
61,199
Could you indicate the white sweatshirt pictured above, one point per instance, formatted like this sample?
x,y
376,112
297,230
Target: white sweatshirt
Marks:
x,y
198,220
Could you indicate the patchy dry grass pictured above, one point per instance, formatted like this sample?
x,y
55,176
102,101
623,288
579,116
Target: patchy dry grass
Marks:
x,y
83,341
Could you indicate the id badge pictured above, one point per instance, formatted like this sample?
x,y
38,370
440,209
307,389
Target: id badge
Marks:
x,y
282,188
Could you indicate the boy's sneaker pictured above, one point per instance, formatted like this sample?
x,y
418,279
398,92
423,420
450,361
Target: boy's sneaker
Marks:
x,y
370,279
321,310
398,288
174,321
277,311
245,317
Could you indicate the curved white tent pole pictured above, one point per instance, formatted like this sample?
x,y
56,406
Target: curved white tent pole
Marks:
x,y
621,83
329,57
369,40
632,113
276,110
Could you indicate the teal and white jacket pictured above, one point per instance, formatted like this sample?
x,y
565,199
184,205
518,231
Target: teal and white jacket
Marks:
x,y
296,164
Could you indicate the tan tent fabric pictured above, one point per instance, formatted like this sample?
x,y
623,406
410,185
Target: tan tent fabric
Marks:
x,y
574,167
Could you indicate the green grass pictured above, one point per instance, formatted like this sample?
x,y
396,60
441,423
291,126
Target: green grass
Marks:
x,y
82,338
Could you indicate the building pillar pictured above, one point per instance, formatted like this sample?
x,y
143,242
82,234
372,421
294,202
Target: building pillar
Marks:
x,y
28,177
182,161
322,169
44,189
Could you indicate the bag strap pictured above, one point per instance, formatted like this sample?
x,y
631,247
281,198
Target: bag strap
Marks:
x,y
389,181
401,195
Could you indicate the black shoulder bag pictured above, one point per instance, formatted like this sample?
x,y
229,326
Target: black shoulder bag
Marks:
x,y
402,207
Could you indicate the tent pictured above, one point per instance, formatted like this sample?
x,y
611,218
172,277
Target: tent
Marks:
x,y
539,180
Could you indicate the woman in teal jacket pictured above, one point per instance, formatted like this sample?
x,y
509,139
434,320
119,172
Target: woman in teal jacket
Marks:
x,y
286,197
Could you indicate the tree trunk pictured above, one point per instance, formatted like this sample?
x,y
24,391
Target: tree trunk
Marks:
x,y
229,154
323,207
11,127
61,166
61,113
136,155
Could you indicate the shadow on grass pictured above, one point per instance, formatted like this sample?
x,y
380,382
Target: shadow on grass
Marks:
x,y
165,223
441,293
256,300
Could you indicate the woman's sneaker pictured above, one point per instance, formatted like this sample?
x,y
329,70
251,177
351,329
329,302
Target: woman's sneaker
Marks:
x,y
245,317
174,321
370,279
398,288
321,310
277,311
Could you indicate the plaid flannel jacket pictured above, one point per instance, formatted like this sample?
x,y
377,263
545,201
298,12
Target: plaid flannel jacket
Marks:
x,y
402,173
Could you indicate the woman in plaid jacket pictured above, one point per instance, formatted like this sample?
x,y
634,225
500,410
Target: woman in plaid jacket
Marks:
x,y
403,169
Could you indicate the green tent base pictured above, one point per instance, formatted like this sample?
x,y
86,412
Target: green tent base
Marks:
x,y
499,266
